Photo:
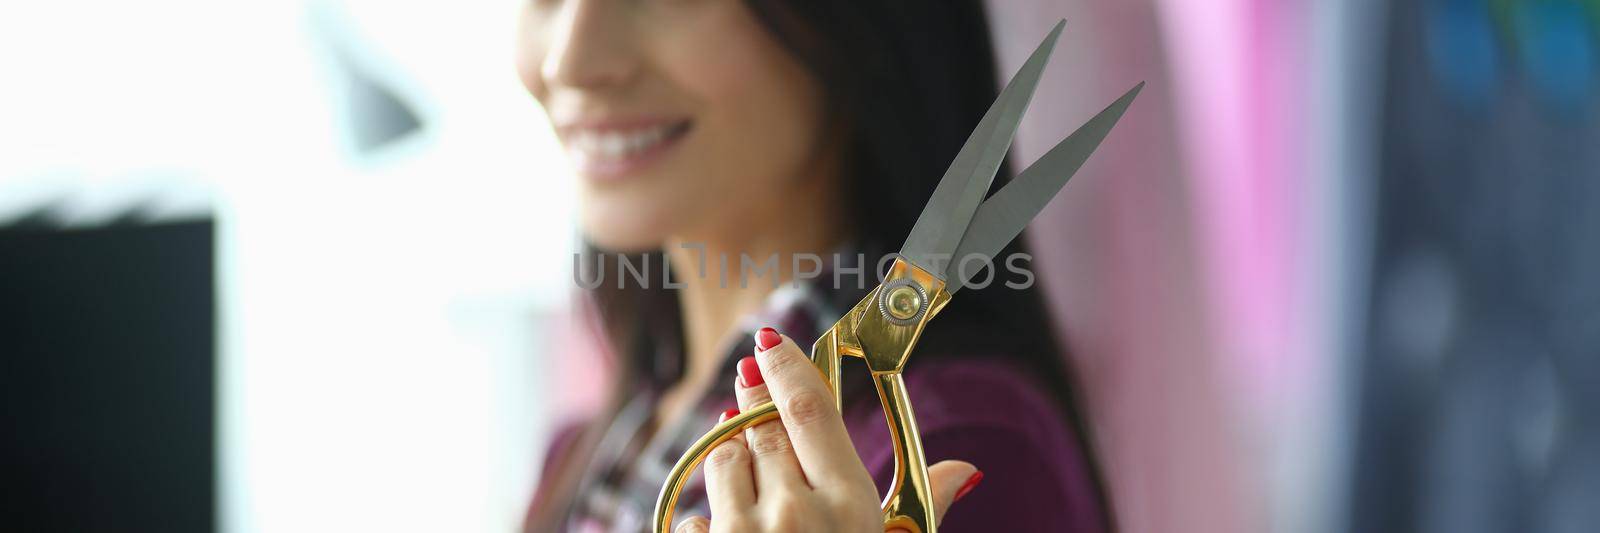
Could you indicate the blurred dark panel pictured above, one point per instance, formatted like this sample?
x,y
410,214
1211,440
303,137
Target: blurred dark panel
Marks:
x,y
1482,370
107,336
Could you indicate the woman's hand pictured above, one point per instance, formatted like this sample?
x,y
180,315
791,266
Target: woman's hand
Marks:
x,y
801,474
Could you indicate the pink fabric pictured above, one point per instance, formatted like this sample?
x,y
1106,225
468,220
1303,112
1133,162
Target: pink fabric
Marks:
x,y
1169,258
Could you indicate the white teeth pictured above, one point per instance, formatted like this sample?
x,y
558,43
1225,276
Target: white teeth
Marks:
x,y
614,144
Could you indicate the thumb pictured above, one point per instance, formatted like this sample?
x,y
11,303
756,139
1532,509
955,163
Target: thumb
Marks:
x,y
949,479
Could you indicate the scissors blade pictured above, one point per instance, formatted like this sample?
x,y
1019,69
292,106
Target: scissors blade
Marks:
x,y
1003,216
945,218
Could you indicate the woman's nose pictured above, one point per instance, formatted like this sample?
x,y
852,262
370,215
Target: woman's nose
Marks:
x,y
591,46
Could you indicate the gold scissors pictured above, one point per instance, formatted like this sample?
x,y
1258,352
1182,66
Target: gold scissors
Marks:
x,y
883,327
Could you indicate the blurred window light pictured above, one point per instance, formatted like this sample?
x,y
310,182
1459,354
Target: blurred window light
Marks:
x,y
382,305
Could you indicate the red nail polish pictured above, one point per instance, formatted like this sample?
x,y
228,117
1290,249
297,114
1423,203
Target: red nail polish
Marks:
x,y
972,483
767,338
728,414
749,373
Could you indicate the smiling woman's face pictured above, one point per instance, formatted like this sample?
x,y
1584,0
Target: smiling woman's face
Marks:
x,y
682,118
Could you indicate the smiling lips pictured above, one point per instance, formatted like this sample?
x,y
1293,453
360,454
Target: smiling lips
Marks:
x,y
613,151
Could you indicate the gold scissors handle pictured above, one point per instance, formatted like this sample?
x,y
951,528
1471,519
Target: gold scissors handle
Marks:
x,y
826,359
882,328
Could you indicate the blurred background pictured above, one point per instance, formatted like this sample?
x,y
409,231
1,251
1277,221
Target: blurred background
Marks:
x,y
305,266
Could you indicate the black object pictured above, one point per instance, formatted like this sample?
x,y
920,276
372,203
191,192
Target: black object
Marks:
x,y
107,337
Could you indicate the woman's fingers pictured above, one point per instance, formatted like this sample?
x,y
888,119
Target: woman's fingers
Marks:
x,y
750,389
950,481
809,448
693,524
807,409
730,487
776,467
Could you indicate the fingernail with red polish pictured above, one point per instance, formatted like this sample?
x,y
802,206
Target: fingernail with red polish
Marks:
x,y
767,338
972,483
749,373
728,414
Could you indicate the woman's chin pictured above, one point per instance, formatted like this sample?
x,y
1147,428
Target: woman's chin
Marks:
x,y
624,235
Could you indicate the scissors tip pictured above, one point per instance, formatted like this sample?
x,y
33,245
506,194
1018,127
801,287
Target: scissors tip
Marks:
x,y
1055,32
1128,97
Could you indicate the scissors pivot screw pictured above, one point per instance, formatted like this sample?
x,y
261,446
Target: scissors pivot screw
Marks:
x,y
903,301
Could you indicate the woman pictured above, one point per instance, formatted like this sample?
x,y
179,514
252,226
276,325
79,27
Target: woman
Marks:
x,y
784,128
